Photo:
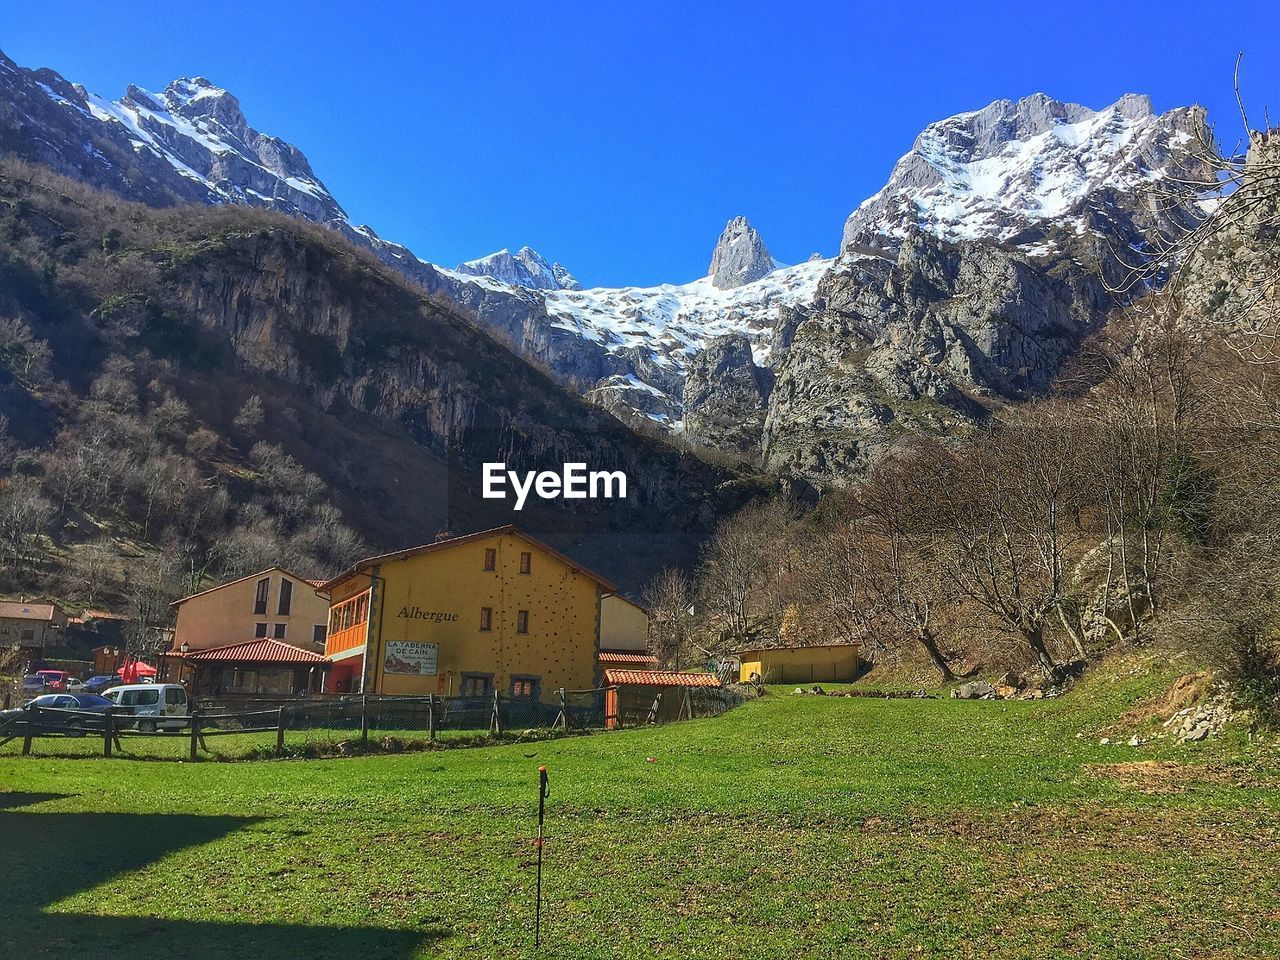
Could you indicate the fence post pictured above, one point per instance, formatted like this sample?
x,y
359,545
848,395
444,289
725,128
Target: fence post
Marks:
x,y
364,720
431,717
562,718
108,730
195,731
495,722
26,733
280,722
653,711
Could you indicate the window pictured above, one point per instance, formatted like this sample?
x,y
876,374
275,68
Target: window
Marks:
x,y
526,687
277,631
526,561
319,633
286,596
29,634
139,698
260,597
490,558
175,695
259,630
476,684
349,613
522,621
486,618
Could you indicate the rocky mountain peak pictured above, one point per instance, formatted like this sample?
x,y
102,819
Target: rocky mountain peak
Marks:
x,y
740,256
997,172
525,268
193,97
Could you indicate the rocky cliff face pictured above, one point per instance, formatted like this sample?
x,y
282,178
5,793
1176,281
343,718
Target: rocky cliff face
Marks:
x,y
725,397
393,398
740,256
927,341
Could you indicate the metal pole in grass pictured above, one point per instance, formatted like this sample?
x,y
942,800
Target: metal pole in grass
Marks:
x,y
195,731
542,808
280,722
108,730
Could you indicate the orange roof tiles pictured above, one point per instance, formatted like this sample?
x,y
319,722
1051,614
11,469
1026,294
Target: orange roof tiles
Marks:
x,y
659,678
628,656
258,651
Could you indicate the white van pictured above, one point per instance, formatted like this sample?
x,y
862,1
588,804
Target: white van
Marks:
x,y
152,703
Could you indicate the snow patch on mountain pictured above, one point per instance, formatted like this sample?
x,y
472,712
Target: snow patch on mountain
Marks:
x,y
675,321
994,173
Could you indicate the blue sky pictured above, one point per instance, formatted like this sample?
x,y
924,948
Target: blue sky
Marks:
x,y
619,138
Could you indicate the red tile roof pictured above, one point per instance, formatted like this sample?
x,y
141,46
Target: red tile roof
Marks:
x,y
628,656
258,651
659,678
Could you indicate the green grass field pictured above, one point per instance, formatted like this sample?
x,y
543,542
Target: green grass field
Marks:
x,y
792,826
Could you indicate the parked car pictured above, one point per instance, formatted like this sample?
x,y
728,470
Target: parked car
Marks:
x,y
154,705
34,683
56,715
54,680
102,681
75,685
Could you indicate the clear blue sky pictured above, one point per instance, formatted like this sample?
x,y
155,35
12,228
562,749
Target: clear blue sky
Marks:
x,y
619,138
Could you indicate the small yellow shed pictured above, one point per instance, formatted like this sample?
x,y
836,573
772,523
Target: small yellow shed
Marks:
x,y
818,663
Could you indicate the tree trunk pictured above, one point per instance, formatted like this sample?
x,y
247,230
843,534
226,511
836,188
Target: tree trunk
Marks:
x,y
930,645
1035,638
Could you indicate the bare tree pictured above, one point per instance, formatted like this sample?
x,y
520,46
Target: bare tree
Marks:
x,y
670,598
24,513
739,561
1140,416
1005,523
250,417
906,587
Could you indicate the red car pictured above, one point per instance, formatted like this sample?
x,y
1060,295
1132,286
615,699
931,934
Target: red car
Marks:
x,y
55,681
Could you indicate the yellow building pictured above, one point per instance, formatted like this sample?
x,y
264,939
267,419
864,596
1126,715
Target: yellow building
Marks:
x,y
271,604
820,663
495,610
624,624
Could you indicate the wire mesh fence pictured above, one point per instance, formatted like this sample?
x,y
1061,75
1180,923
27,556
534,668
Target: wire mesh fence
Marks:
x,y
335,725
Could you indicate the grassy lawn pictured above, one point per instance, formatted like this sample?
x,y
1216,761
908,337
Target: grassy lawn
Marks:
x,y
792,826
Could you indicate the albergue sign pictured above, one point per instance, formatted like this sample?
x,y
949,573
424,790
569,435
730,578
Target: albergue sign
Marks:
x,y
411,657
573,482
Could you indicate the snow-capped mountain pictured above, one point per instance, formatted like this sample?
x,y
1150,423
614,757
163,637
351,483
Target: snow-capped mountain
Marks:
x,y
657,331
1037,193
1002,171
526,268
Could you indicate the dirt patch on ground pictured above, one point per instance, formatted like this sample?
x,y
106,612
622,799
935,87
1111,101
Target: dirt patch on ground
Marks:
x,y
1188,689
1166,776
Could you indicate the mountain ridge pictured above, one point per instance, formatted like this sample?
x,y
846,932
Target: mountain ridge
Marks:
x,y
1061,186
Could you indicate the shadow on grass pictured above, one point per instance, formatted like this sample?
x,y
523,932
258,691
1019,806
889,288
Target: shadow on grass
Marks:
x,y
51,856
12,799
